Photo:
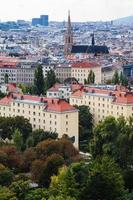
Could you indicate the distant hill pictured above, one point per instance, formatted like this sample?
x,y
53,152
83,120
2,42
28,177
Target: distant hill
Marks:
x,y
125,20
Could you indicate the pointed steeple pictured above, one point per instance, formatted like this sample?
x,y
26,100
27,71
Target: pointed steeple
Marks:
x,y
68,36
93,39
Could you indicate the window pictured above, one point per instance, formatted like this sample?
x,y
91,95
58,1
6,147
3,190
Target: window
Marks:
x,y
66,129
67,116
34,119
18,104
34,113
66,123
55,123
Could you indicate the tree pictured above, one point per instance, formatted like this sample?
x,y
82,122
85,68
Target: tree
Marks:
x,y
39,81
20,188
61,198
37,194
6,176
123,80
104,138
91,78
115,79
13,158
6,78
114,137
62,147
85,127
40,135
18,139
50,79
104,180
9,124
29,156
48,168
7,194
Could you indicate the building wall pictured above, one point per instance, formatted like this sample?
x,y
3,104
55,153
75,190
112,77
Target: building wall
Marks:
x,y
61,122
102,106
11,72
63,73
82,73
25,75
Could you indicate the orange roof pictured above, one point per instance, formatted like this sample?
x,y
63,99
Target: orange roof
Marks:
x,y
50,104
59,106
85,65
122,96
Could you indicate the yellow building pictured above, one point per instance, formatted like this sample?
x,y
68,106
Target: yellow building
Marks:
x,y
43,113
104,102
81,70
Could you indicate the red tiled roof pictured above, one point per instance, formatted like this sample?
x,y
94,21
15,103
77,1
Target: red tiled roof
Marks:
x,y
59,106
51,104
85,65
120,96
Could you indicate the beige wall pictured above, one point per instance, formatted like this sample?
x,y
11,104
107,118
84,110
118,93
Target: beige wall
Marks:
x,y
60,122
82,73
102,106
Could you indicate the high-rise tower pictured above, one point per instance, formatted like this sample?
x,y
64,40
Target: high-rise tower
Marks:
x,y
68,37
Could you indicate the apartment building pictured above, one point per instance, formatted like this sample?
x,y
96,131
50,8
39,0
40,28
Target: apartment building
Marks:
x,y
25,71
53,115
104,101
62,91
8,69
81,70
63,72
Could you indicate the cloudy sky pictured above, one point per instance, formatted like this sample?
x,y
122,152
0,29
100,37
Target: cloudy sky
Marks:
x,y
81,10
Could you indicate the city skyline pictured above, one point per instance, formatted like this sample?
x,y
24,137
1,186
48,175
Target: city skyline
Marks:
x,y
85,10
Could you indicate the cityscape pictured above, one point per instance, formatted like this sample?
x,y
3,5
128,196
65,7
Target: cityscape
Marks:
x,y
66,109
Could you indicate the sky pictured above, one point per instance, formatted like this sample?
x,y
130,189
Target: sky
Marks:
x,y
81,10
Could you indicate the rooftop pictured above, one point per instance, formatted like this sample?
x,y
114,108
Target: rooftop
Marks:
x,y
53,105
85,65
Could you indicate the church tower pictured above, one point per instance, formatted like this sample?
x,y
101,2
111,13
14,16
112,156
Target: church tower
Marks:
x,y
68,37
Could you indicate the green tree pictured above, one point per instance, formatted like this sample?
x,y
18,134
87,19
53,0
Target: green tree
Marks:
x,y
85,127
7,194
91,77
6,78
9,124
39,81
61,198
123,80
115,79
6,176
40,135
50,79
18,139
63,184
104,180
20,188
114,137
37,194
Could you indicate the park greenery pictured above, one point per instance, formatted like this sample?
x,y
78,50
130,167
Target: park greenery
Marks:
x,y
37,165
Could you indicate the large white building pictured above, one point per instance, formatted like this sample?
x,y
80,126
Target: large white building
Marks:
x,y
49,114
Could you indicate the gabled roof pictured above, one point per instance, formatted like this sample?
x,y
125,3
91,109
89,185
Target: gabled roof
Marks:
x,y
55,105
85,65
90,49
